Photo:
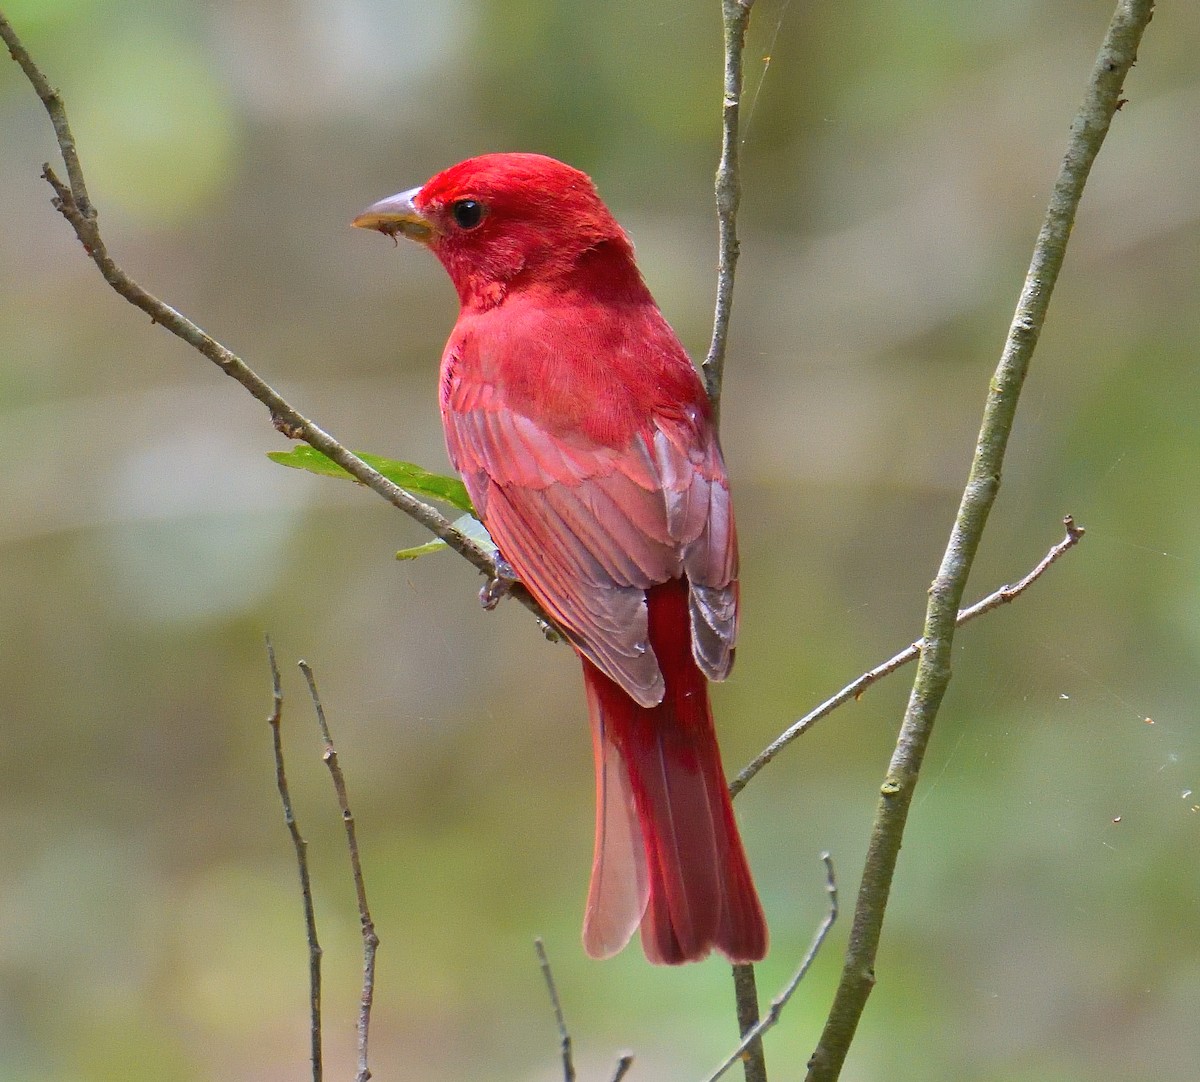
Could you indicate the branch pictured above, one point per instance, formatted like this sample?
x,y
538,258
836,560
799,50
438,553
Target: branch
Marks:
x,y
736,17
624,1062
301,847
72,202
564,1038
745,995
1101,102
370,939
754,1035
855,689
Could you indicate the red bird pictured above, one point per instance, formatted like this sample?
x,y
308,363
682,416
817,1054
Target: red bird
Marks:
x,y
586,441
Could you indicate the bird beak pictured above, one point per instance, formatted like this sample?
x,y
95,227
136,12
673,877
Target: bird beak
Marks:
x,y
395,215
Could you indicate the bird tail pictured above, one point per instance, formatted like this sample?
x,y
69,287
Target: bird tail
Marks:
x,y
668,855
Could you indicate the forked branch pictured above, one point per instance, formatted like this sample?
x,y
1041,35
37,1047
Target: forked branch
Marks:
x,y
1101,102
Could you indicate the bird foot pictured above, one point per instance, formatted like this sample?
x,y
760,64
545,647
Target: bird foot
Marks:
x,y
501,580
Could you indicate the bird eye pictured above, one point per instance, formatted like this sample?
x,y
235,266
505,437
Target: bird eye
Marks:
x,y
467,213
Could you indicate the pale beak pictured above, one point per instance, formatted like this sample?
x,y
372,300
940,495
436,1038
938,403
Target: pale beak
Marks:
x,y
397,214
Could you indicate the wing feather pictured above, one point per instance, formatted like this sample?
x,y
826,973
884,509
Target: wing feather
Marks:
x,y
589,527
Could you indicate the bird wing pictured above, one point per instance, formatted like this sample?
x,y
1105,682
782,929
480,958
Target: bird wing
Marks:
x,y
589,527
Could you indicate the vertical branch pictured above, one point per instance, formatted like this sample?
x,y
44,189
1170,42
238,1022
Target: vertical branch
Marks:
x,y
1103,98
736,17
745,994
301,848
370,939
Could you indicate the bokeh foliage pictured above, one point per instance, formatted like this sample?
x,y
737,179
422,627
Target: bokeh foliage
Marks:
x,y
897,160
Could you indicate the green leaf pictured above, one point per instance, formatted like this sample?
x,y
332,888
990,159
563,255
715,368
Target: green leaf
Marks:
x,y
411,478
468,524
422,550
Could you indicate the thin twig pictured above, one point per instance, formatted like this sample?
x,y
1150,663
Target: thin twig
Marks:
x,y
370,939
564,1037
71,200
1091,124
736,18
51,99
855,689
301,848
781,1000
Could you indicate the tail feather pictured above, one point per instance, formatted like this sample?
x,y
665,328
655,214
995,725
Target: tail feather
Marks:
x,y
668,854
619,888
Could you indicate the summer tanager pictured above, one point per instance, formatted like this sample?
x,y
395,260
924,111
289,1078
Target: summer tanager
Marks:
x,y
587,443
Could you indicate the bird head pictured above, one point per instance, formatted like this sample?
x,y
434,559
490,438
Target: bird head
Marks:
x,y
499,221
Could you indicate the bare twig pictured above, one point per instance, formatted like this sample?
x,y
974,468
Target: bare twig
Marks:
x,y
736,18
51,99
780,1001
745,996
71,200
1101,102
301,847
564,1037
855,689
370,939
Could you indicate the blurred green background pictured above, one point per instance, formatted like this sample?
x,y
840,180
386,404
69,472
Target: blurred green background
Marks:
x,y
1046,916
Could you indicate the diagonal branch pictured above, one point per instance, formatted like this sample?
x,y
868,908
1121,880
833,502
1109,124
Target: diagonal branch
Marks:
x,y
855,688
564,1036
53,102
1101,102
72,202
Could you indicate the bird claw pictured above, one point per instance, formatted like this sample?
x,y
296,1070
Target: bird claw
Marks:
x,y
501,580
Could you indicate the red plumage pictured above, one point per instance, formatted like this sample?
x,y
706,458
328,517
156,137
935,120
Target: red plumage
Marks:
x,y
684,865
584,436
